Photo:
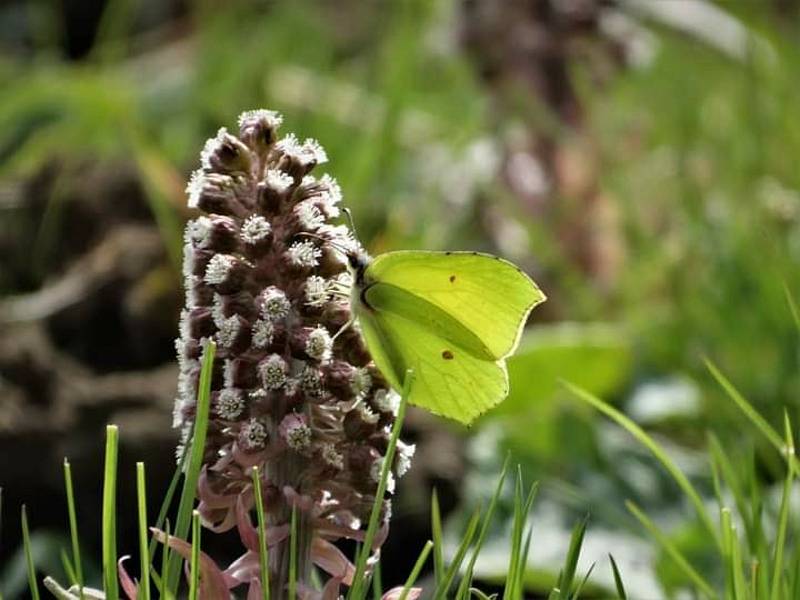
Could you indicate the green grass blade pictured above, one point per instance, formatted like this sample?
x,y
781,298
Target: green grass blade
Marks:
x,y
166,503
26,543
198,443
522,559
523,564
752,414
144,554
510,589
358,591
163,592
262,534
66,564
156,580
620,587
447,581
732,557
756,503
293,532
466,582
194,564
730,585
755,579
377,582
73,527
792,305
679,560
794,585
109,535
576,594
571,562
783,514
438,543
412,577
727,474
640,435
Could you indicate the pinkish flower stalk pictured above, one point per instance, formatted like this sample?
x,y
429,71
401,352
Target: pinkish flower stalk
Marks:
x,y
265,278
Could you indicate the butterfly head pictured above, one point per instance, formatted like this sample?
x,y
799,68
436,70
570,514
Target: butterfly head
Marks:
x,y
358,261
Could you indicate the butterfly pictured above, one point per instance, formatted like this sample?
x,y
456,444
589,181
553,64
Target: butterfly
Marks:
x,y
451,317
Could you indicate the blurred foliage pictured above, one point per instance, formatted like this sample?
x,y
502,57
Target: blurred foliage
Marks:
x,y
698,159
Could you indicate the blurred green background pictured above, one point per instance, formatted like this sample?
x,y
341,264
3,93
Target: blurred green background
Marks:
x,y
638,157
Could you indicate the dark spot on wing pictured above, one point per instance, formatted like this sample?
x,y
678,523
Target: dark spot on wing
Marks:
x,y
452,278
447,355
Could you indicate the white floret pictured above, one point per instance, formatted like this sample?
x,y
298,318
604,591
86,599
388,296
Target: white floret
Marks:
x,y
263,331
304,254
273,372
319,344
272,118
211,146
230,404
218,268
278,180
255,229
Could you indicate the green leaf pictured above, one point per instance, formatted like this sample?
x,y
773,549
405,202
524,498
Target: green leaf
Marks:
x,y
595,357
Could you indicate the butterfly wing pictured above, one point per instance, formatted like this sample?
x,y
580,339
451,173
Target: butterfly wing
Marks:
x,y
489,296
449,380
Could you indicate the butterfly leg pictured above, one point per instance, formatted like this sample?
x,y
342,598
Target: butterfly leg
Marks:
x,y
343,328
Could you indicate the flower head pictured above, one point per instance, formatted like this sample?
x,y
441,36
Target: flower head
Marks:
x,y
266,278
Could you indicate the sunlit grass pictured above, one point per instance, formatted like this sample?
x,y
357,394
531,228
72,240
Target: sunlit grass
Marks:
x,y
758,562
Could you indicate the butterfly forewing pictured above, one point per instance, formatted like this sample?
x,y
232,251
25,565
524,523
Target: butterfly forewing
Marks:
x,y
448,379
490,297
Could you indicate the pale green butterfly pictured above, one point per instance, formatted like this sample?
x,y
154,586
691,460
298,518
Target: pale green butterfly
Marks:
x,y
451,317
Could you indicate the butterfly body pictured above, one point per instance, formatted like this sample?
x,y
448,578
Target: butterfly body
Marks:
x,y
451,317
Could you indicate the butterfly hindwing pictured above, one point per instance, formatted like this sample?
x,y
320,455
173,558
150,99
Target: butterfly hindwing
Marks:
x,y
385,297
489,296
448,379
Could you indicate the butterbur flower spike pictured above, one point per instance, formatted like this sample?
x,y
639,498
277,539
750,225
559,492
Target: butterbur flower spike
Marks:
x,y
266,280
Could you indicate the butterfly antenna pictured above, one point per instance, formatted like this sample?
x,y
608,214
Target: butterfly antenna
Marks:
x,y
336,246
350,220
